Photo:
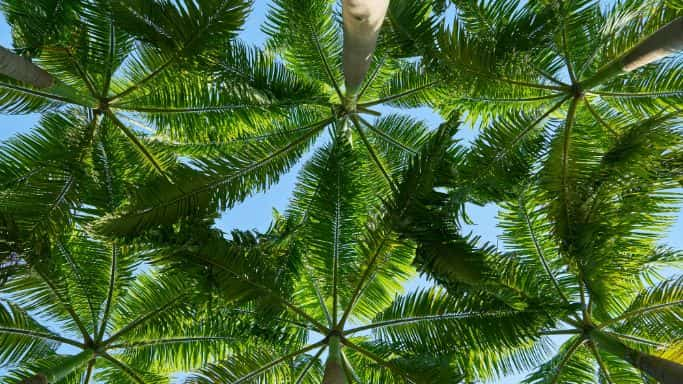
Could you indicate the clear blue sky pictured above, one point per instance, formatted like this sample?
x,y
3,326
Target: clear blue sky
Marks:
x,y
255,212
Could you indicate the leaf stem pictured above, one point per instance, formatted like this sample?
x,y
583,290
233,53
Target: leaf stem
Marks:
x,y
398,95
572,348
308,366
40,335
125,368
373,155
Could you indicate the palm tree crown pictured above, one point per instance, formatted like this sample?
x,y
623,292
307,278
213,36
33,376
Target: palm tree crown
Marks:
x,y
112,78
528,73
309,40
127,326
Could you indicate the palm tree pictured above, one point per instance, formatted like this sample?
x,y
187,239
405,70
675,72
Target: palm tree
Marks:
x,y
620,318
583,242
520,69
78,309
114,71
330,274
307,37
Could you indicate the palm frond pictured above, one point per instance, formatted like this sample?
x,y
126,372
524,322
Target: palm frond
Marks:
x,y
655,313
22,338
255,364
573,362
206,184
409,30
184,28
312,44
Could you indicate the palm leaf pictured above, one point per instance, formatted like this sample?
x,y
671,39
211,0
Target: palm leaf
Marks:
x,y
211,183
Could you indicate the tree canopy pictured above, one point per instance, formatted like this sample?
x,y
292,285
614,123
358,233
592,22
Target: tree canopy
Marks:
x,y
156,117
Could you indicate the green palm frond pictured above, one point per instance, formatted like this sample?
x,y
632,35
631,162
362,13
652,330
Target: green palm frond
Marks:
x,y
488,48
265,76
499,57
422,320
126,324
45,189
50,363
18,99
573,362
333,220
377,364
409,29
210,183
661,305
505,153
33,25
527,233
157,300
179,347
109,181
22,337
386,269
255,365
649,90
160,118
307,34
592,203
615,370
181,28
406,85
658,263
41,288
246,89
116,371
398,138
247,264
622,27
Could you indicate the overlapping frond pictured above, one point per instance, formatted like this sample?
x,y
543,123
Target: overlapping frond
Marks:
x,y
22,338
409,29
256,364
527,233
215,182
572,363
48,362
381,363
182,28
655,313
433,321
33,25
308,36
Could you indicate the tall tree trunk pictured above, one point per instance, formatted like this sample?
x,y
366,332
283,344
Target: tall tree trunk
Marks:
x,y
362,22
54,374
21,69
666,41
334,368
664,371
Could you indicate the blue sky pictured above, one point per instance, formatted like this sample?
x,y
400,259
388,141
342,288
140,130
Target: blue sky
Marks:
x,y
255,212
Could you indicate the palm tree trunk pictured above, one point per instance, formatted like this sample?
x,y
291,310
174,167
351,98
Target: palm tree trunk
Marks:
x,y
54,374
334,368
21,69
362,22
664,371
666,41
